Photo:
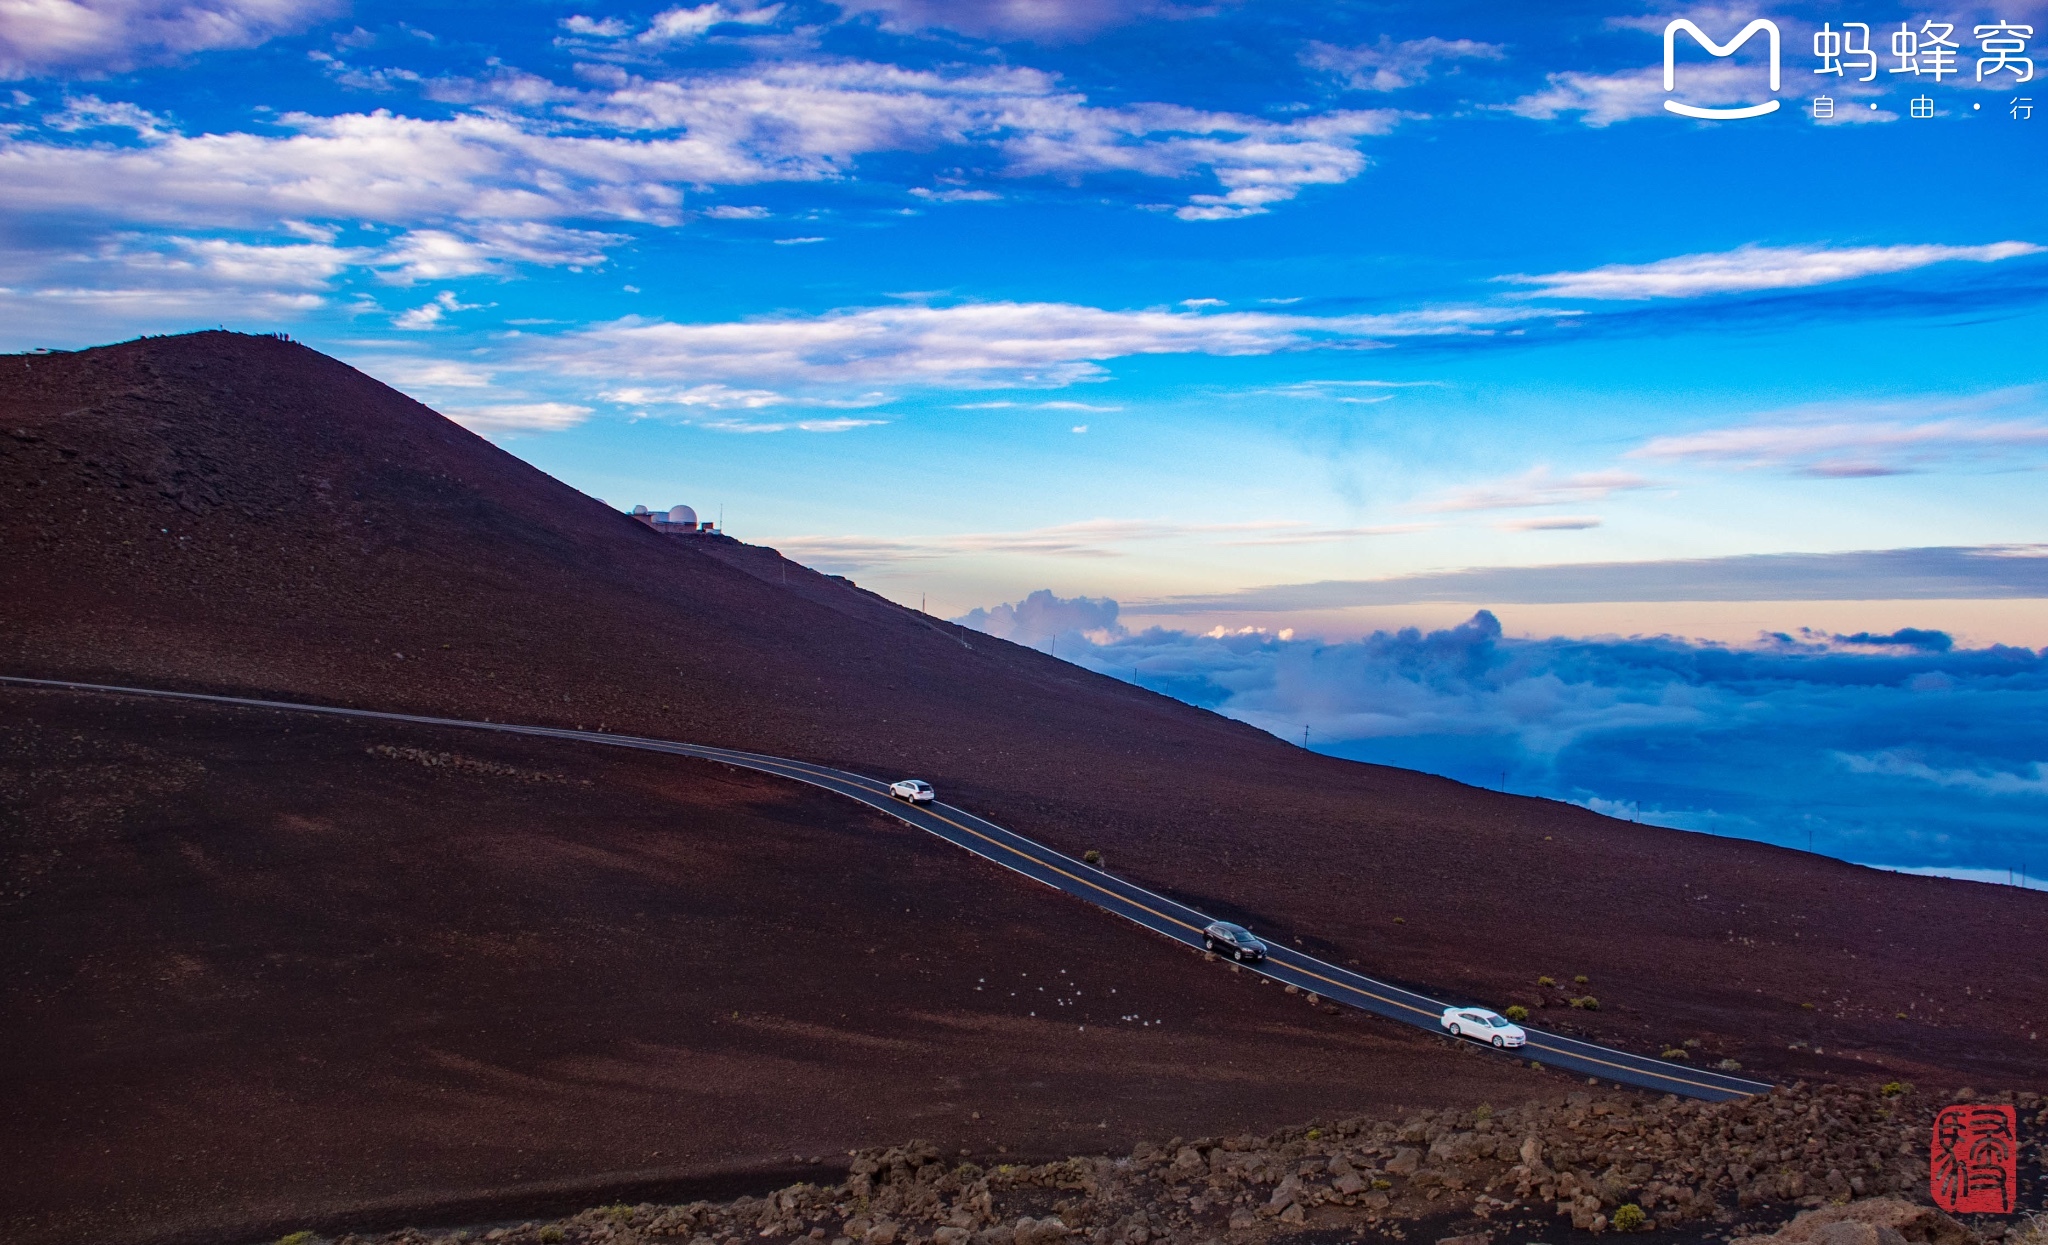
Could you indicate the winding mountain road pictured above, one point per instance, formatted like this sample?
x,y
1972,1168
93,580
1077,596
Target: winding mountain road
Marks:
x,y
1042,864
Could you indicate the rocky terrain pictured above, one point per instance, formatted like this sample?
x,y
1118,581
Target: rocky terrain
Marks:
x,y
1590,1162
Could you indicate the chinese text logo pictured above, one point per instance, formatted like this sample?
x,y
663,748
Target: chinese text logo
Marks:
x,y
1717,49
1973,1165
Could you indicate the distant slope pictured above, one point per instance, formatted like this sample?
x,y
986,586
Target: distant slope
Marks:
x,y
233,513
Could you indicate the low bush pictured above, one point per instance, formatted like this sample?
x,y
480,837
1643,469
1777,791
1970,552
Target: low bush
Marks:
x,y
302,1237
1629,1217
1546,981
551,1235
1728,1065
1892,1089
1677,1052
1093,857
1585,1002
1517,1013
1581,979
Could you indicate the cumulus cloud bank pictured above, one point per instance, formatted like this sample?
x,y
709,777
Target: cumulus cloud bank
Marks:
x,y
1898,749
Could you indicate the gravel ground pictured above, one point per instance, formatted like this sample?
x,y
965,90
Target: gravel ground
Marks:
x,y
1582,1164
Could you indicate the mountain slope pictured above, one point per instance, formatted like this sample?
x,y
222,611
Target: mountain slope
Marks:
x,y
241,514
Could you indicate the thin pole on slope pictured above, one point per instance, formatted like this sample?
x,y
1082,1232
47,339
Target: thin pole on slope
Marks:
x,y
1304,738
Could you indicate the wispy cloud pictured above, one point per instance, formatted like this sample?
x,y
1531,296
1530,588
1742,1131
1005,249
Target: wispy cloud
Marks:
x,y
1551,523
2032,781
1869,439
1389,65
105,36
1033,406
1750,268
508,417
1985,572
1538,486
1036,344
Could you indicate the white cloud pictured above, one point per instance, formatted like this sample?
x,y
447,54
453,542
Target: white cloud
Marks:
x,y
797,241
1600,100
681,24
519,416
101,36
606,28
727,398
1390,66
1749,268
787,121
1538,487
1868,439
1043,20
1551,523
490,247
734,424
1983,782
1356,392
973,343
429,315
1034,406
410,374
955,195
729,212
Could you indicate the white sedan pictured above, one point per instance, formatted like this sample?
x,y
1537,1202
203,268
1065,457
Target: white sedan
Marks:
x,y
1483,1026
915,790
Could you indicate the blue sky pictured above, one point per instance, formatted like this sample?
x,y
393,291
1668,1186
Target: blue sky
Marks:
x,y
1327,319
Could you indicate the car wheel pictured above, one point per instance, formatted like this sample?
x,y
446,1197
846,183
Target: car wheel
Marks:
x,y
1457,1032
1501,1043
1240,957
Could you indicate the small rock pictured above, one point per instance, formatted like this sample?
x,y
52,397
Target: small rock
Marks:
x,y
1405,1161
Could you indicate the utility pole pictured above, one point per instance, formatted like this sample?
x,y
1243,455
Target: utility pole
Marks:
x,y
1304,739
920,604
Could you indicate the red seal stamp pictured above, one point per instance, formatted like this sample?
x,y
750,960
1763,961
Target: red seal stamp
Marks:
x,y
1973,1163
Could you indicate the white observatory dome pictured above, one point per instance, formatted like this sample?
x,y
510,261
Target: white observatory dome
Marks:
x,y
682,514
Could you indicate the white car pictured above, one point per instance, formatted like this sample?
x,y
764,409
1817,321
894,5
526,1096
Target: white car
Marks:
x,y
915,790
1483,1026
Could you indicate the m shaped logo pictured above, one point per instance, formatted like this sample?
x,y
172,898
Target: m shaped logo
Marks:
x,y
1718,49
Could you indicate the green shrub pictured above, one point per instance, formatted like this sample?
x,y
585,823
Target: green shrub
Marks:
x,y
1546,981
1728,1065
1892,1089
1382,1184
1691,1043
1400,921
1580,979
1806,1007
1585,1002
1315,1134
1485,1111
1516,1012
301,1237
551,1235
1629,1217
1092,856
1677,1052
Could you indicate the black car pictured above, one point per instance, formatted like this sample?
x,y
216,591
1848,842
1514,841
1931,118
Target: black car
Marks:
x,y
1235,941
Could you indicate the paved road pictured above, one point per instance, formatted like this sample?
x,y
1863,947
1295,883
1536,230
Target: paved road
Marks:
x,y
1042,864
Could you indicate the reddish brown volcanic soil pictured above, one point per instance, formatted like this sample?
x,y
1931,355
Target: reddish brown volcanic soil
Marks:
x,y
465,996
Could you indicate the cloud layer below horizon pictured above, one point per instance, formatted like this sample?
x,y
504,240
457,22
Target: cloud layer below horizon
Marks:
x,y
1899,749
